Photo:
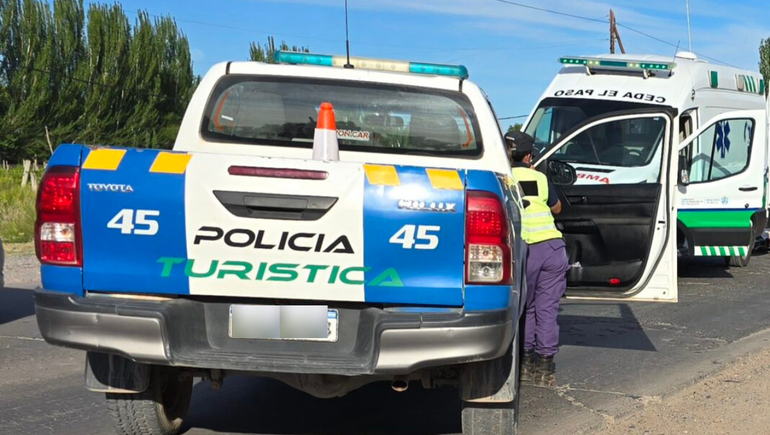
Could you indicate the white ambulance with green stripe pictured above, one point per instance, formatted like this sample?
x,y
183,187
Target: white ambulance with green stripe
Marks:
x,y
592,117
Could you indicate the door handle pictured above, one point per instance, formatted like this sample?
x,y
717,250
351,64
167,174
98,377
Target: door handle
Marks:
x,y
577,199
748,188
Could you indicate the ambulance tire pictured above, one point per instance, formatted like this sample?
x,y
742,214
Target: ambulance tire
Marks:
x,y
495,418
160,410
738,261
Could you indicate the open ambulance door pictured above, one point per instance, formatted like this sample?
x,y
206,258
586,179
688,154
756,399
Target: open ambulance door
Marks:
x,y
723,167
618,214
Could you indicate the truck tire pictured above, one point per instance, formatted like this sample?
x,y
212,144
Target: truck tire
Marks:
x,y
495,418
490,419
160,410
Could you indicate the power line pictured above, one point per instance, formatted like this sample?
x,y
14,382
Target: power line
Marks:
x,y
512,117
93,83
663,41
580,17
311,38
564,14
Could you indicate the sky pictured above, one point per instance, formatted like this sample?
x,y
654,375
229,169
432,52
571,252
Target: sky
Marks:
x,y
510,51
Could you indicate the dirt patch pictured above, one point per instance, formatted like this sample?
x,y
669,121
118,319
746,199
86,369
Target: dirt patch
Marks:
x,y
730,402
21,268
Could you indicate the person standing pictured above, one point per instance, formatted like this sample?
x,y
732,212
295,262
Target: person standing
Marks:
x,y
547,263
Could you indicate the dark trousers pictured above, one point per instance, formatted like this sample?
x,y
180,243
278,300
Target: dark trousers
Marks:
x,y
547,267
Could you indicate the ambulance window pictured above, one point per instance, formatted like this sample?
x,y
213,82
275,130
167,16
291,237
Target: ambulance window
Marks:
x,y
686,125
723,150
550,123
626,143
542,135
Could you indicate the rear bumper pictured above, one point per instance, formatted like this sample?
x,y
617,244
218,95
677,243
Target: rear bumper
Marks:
x,y
190,333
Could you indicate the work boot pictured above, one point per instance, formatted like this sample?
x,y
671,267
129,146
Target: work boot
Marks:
x,y
527,370
545,371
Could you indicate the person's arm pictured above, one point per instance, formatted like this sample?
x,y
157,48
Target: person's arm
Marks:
x,y
556,209
553,200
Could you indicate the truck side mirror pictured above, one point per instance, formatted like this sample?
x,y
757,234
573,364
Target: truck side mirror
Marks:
x,y
684,171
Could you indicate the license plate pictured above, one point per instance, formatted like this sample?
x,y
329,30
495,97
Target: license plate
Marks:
x,y
291,322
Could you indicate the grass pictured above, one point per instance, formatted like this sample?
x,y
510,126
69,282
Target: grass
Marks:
x,y
19,248
17,207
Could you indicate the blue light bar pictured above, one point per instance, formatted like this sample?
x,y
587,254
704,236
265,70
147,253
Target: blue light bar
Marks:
x,y
438,69
295,58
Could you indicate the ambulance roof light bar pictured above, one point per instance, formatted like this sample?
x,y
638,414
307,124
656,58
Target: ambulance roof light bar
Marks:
x,y
296,58
602,63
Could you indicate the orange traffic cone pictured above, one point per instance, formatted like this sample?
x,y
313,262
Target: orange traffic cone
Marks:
x,y
325,145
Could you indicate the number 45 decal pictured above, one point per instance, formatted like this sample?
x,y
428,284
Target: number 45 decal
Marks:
x,y
409,235
124,221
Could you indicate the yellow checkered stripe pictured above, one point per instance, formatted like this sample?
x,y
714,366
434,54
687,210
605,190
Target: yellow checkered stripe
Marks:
x,y
109,159
387,175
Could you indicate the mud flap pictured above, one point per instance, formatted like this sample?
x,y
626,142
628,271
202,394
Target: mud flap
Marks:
x,y
106,373
493,381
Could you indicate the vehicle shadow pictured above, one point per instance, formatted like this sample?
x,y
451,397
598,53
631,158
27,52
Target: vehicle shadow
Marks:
x,y
264,406
704,268
15,304
608,332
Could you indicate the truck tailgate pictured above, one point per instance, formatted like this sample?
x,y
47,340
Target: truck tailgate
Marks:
x,y
158,222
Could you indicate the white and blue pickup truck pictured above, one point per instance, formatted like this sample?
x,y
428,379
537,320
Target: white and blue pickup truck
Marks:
x,y
225,255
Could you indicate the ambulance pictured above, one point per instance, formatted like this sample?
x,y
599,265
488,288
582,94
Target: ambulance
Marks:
x,y
605,118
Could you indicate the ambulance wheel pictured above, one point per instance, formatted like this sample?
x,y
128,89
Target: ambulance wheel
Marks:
x,y
496,418
160,410
738,261
742,261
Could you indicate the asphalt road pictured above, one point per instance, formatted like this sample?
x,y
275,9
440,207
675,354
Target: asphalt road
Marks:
x,y
615,358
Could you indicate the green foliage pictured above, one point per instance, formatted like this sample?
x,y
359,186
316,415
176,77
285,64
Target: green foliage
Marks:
x,y
17,207
265,53
764,62
515,127
89,76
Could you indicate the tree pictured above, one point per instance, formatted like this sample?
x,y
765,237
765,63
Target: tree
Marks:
x,y
89,77
515,127
266,53
764,62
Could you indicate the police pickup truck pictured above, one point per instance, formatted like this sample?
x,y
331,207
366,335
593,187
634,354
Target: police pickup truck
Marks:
x,y
238,253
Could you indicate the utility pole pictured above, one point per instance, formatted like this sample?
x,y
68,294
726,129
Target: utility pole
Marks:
x,y
615,35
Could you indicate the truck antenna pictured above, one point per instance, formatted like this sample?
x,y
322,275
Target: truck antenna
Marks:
x,y
347,37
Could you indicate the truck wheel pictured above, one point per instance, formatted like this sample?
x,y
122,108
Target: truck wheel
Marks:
x,y
491,419
496,418
160,410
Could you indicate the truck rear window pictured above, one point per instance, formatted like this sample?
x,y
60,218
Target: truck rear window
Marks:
x,y
370,117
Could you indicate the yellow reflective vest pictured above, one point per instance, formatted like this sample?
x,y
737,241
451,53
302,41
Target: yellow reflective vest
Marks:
x,y
537,224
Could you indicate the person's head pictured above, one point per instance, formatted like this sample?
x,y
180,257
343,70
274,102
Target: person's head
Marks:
x,y
521,147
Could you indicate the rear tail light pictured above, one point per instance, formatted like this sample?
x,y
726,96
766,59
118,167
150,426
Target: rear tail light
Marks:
x,y
487,245
58,238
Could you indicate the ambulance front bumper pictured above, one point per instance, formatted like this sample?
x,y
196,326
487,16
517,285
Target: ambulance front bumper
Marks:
x,y
190,333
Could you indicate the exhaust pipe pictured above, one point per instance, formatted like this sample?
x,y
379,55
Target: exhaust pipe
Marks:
x,y
400,384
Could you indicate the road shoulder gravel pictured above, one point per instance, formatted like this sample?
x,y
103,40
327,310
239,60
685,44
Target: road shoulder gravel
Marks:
x,y
728,402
